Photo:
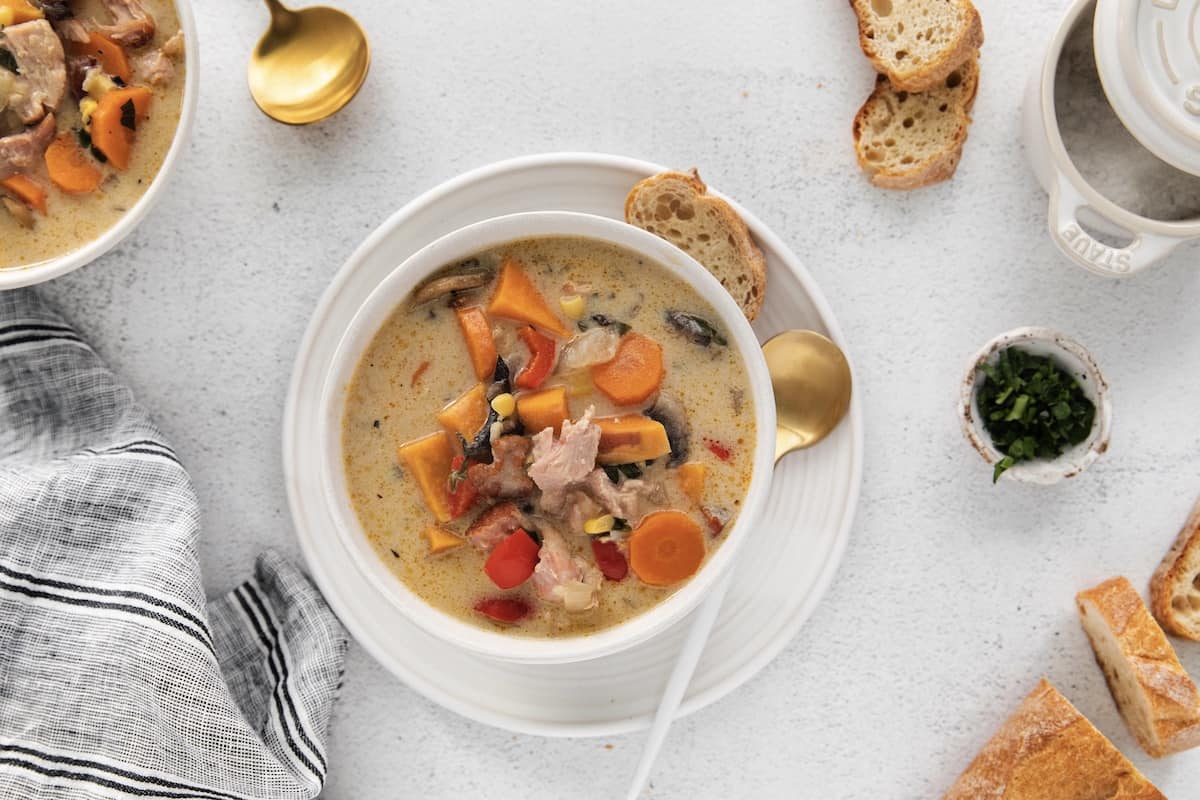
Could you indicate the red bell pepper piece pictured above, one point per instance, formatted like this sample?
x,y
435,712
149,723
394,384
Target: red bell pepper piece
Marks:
x,y
541,360
717,449
462,490
610,559
513,560
503,609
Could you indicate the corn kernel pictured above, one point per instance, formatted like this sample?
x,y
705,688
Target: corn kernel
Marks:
x,y
6,16
504,405
496,431
598,525
572,305
87,107
97,84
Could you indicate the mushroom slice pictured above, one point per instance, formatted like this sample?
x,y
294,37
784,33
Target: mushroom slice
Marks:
x,y
434,288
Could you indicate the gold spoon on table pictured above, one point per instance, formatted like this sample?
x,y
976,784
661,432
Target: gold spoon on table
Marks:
x,y
812,384
308,64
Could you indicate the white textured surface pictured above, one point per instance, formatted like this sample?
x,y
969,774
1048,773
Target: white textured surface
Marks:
x,y
954,596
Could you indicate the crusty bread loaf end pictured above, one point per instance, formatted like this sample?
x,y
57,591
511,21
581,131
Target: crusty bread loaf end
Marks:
x,y
1175,587
1047,750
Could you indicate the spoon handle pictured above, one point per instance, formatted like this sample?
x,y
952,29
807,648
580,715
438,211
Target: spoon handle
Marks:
x,y
677,684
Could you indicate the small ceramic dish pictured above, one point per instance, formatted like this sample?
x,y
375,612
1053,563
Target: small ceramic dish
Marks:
x,y
394,290
1071,356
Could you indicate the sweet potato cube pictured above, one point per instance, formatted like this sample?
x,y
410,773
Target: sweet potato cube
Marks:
x,y
442,540
428,461
691,477
545,409
477,333
466,415
630,438
517,298
21,11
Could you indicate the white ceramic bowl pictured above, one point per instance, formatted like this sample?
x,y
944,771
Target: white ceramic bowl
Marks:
x,y
1071,356
15,277
392,292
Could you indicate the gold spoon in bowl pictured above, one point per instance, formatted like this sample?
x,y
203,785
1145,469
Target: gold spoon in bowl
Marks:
x,y
308,64
812,383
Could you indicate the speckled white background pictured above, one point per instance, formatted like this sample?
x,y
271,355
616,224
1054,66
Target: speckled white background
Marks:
x,y
954,596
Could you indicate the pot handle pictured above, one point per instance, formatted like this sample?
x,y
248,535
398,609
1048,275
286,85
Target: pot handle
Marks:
x,y
1091,254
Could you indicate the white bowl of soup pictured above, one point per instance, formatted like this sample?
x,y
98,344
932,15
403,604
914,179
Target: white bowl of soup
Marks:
x,y
546,435
96,103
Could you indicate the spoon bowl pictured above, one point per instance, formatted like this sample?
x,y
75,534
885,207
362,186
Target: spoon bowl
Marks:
x,y
308,64
813,385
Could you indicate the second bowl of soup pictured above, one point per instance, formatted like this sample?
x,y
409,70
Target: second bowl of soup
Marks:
x,y
546,435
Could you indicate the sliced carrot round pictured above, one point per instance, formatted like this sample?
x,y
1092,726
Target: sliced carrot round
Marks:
x,y
71,169
666,548
634,373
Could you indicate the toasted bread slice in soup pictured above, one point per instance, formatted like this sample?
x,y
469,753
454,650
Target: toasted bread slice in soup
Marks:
x,y
1175,587
917,43
905,140
1047,750
1156,697
676,206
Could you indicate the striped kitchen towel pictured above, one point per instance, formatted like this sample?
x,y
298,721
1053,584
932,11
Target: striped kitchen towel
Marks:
x,y
117,677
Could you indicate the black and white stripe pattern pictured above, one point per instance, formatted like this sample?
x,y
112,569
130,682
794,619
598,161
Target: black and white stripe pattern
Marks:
x,y
117,678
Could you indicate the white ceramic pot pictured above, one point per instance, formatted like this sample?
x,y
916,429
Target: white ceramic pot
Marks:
x,y
1072,198
392,292
17,277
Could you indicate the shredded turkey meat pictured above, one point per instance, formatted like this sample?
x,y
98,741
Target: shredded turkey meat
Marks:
x,y
132,25
562,578
505,476
21,151
490,527
579,507
42,77
631,499
157,67
558,465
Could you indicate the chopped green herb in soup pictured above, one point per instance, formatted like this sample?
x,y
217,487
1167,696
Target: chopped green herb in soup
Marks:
x,y
549,438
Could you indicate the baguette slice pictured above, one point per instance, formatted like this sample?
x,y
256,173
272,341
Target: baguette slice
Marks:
x,y
917,43
1156,697
1175,587
676,206
906,141
1047,750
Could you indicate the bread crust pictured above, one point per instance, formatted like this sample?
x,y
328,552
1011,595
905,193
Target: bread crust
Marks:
x,y
1157,699
928,171
1047,750
930,75
1175,578
750,281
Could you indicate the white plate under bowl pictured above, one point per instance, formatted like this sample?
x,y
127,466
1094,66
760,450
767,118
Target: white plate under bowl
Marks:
x,y
783,570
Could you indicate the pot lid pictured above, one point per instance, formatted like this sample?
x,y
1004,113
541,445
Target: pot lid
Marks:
x,y
1148,57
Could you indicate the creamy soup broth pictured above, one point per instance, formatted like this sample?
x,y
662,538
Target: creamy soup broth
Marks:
x,y
75,220
418,363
